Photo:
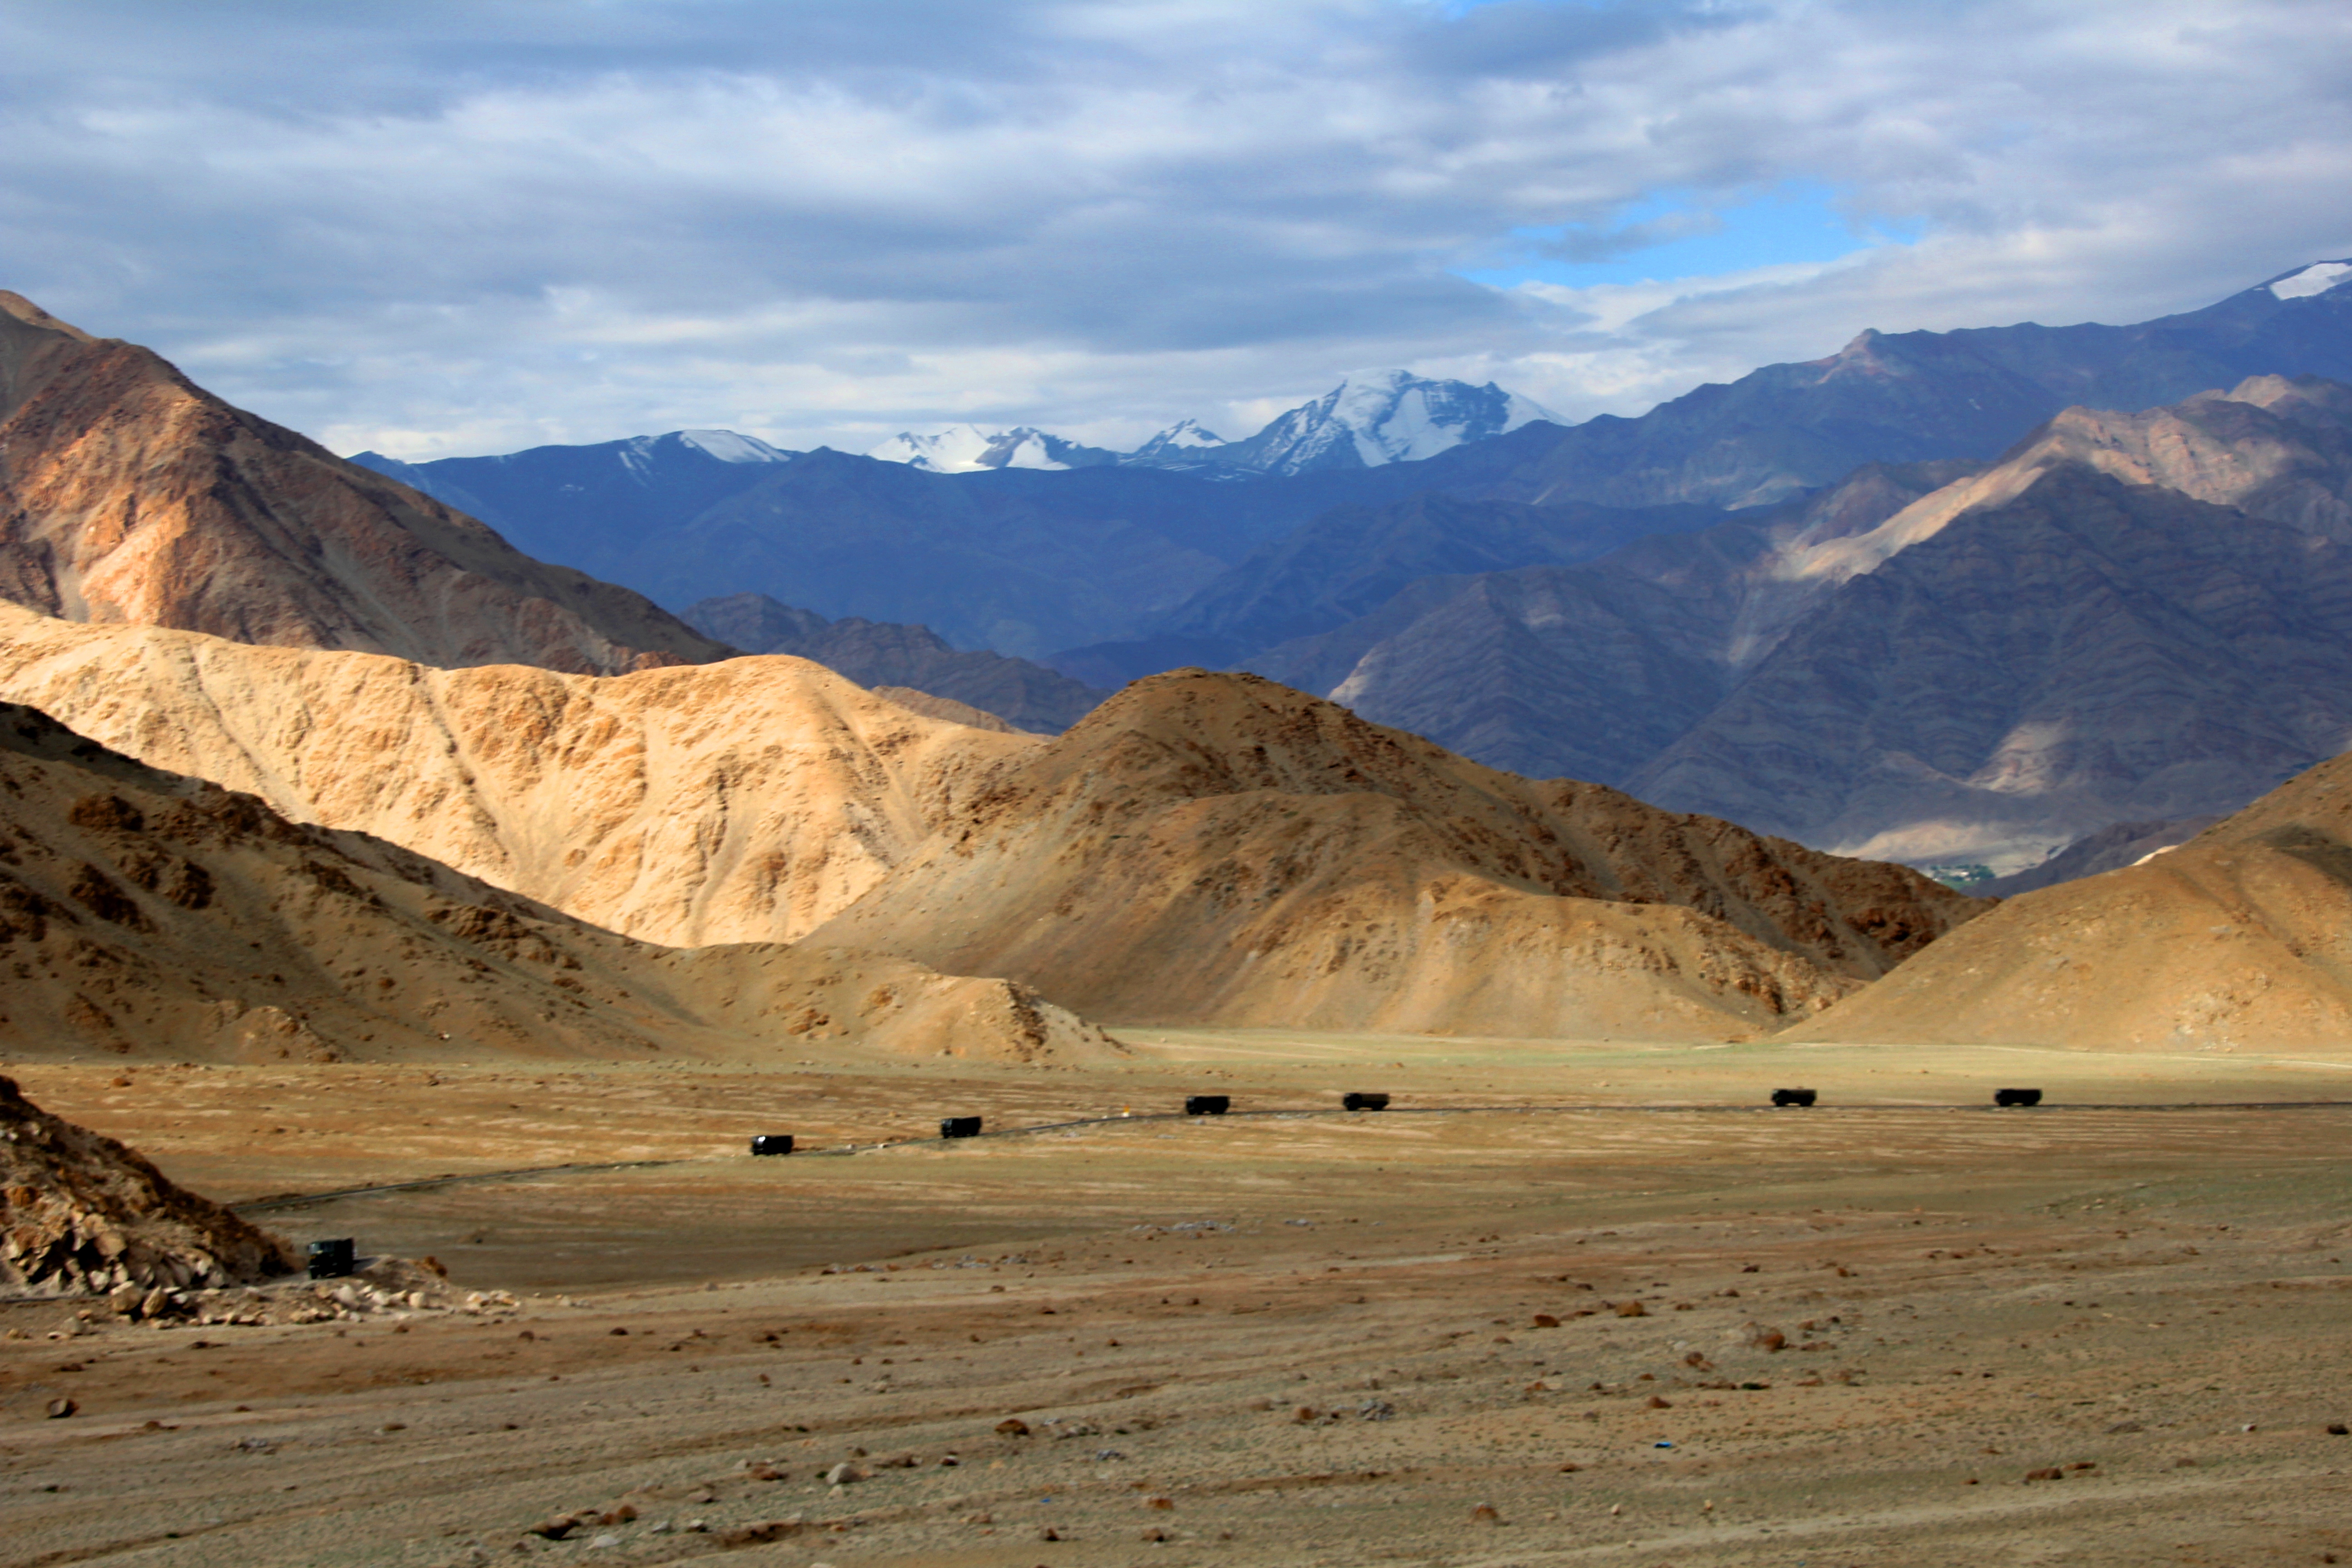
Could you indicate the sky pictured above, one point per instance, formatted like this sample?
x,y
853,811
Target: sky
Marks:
x,y
440,227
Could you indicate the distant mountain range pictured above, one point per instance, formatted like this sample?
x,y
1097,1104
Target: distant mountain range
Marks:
x,y
1630,600
1372,419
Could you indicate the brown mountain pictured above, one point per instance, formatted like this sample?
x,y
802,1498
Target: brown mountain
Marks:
x,y
1219,848
128,493
2240,938
881,655
743,801
152,916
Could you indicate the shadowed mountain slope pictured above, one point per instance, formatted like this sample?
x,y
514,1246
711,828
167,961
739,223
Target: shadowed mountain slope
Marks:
x,y
129,494
1218,848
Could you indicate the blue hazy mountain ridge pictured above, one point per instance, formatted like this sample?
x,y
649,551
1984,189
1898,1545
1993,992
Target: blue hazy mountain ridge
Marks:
x,y
2131,616
1110,572
881,656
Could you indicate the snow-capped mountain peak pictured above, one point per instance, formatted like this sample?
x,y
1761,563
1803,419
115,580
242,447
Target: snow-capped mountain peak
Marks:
x,y
1379,417
968,449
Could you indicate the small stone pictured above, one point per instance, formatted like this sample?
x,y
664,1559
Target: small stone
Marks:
x,y
2126,1427
556,1529
2338,1429
700,1498
603,1542
1544,1320
1049,1534
1484,1514
844,1474
1155,1534
1162,1503
1658,1403
58,1409
1012,1427
2048,1473
1632,1310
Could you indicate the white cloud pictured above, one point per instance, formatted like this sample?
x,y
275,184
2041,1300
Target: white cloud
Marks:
x,y
443,227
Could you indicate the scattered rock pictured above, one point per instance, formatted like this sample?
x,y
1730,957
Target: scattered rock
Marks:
x,y
844,1473
1484,1514
2338,1429
1632,1310
1544,1320
2048,1473
58,1409
1012,1427
1162,1503
1156,1533
556,1529
1655,1403
1761,1337
2126,1427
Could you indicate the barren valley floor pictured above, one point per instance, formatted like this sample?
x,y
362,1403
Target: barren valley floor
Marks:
x,y
1264,1339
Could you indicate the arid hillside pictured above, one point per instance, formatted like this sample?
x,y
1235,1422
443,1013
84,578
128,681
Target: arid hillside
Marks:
x,y
154,917
2240,939
129,494
1219,848
744,801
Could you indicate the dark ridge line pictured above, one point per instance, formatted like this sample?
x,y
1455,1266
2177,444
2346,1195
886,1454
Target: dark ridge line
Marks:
x,y
307,1200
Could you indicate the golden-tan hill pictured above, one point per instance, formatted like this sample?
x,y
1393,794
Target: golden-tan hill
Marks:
x,y
743,801
1216,848
154,917
2240,939
128,493
79,1212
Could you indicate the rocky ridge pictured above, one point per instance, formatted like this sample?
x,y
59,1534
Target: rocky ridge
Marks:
x,y
129,494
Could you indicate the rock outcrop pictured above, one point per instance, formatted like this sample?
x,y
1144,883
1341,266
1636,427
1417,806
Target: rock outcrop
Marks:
x,y
1215,848
81,1214
129,494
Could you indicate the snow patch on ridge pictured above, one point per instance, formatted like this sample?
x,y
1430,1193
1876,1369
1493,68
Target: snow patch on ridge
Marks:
x,y
729,447
2317,279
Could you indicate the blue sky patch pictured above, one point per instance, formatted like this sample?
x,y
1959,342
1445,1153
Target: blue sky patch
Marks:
x,y
1674,234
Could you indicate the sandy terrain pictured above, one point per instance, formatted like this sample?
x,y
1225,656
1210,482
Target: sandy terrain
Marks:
x,y
1965,1296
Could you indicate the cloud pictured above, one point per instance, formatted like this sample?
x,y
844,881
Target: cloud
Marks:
x,y
441,226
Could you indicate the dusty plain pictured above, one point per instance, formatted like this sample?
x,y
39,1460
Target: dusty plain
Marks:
x,y
1264,1338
